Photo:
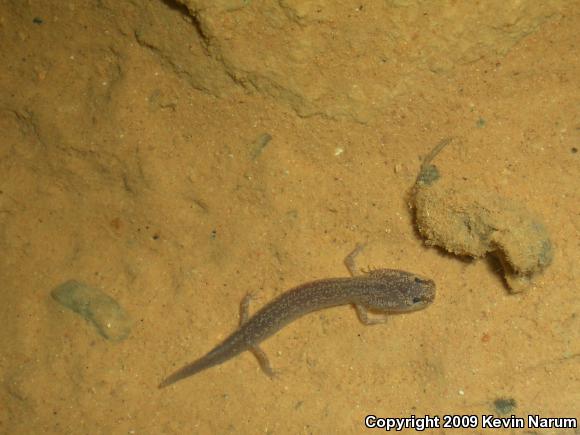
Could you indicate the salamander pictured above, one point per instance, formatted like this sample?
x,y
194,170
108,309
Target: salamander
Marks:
x,y
379,290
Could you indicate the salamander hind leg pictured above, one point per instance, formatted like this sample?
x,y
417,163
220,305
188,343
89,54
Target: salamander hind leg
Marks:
x,y
363,315
263,361
245,308
256,350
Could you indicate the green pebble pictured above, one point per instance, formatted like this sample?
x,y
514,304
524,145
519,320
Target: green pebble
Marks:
x,y
100,309
504,406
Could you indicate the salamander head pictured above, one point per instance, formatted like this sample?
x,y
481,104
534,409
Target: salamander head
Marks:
x,y
399,291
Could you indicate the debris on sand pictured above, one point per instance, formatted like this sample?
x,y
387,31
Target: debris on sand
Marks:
x,y
100,309
466,220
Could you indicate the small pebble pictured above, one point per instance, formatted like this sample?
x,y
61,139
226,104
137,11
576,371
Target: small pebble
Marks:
x,y
110,319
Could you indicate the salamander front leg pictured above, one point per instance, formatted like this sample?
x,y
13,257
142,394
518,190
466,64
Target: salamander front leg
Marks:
x,y
256,350
362,312
363,315
350,260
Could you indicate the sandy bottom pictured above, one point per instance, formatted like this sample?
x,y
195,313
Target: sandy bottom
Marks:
x,y
172,204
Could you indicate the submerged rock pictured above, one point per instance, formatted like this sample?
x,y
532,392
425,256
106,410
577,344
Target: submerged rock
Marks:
x,y
473,222
97,307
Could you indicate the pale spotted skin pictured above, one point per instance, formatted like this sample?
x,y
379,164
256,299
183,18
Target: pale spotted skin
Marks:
x,y
380,290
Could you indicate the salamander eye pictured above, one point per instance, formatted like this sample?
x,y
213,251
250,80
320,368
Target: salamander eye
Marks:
x,y
420,281
417,299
